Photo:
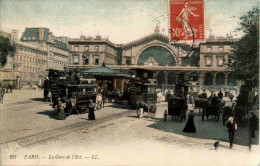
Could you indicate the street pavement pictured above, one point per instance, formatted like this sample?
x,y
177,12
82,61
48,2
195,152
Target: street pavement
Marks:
x,y
117,137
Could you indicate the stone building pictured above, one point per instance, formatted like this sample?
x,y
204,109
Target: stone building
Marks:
x,y
213,58
91,52
200,65
37,51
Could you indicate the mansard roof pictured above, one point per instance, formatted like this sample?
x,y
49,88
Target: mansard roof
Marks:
x,y
34,32
60,45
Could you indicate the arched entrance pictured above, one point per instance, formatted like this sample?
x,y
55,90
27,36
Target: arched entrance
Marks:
x,y
232,81
181,77
156,54
208,79
220,79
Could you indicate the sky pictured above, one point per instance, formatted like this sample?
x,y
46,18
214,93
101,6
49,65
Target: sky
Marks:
x,y
122,21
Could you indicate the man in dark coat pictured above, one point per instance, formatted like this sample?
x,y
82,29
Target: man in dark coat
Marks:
x,y
220,95
10,87
253,124
214,100
46,88
91,113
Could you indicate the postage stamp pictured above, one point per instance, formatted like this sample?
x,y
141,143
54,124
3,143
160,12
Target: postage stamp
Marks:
x,y
186,20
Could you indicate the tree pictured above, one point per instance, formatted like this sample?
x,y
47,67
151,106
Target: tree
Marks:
x,y
244,62
7,48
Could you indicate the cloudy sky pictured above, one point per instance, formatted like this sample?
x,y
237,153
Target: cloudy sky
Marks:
x,y
121,20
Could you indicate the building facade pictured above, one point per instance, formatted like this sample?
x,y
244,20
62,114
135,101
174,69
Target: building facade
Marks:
x,y
37,51
91,52
200,65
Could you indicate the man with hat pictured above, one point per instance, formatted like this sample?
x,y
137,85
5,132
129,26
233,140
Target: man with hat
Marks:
x,y
253,123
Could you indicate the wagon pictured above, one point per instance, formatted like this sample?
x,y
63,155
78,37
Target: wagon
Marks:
x,y
176,107
71,92
213,109
145,93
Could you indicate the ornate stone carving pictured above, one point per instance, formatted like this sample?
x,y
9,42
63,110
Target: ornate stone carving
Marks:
x,y
151,62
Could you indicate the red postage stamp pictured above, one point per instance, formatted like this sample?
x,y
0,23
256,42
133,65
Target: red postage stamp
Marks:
x,y
186,20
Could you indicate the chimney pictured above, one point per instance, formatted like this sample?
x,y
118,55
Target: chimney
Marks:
x,y
41,33
14,35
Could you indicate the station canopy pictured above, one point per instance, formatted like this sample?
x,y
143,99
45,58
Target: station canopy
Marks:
x,y
105,71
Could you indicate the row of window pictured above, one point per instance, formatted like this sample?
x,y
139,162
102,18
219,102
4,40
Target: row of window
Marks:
x,y
220,61
31,51
26,59
59,65
218,49
6,74
60,57
28,38
32,69
85,59
86,48
220,79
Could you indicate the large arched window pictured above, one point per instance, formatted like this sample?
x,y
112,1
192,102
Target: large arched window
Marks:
x,y
171,78
208,79
232,81
220,78
158,54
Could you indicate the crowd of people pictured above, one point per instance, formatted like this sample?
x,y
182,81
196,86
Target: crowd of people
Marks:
x,y
213,98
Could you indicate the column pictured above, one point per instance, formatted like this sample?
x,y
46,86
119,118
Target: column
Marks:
x,y
214,78
226,79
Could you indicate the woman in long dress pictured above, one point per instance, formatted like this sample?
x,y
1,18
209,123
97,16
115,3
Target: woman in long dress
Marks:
x,y
190,127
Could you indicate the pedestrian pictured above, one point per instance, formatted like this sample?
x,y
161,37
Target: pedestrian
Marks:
x,y
10,87
2,92
253,124
220,95
231,96
46,86
190,126
231,125
61,110
167,95
91,113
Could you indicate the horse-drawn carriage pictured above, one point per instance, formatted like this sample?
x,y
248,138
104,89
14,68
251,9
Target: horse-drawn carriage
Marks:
x,y
209,107
142,94
176,107
71,92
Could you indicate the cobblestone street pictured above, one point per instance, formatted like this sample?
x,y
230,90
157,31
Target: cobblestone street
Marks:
x,y
117,137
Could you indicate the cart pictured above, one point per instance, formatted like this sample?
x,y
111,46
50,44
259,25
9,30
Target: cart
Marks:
x,y
176,107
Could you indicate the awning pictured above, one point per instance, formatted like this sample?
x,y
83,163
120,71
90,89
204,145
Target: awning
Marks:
x,y
103,70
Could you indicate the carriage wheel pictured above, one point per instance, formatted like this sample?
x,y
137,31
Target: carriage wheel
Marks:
x,y
152,109
203,113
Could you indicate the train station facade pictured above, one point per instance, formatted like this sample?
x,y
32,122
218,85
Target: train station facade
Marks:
x,y
201,65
